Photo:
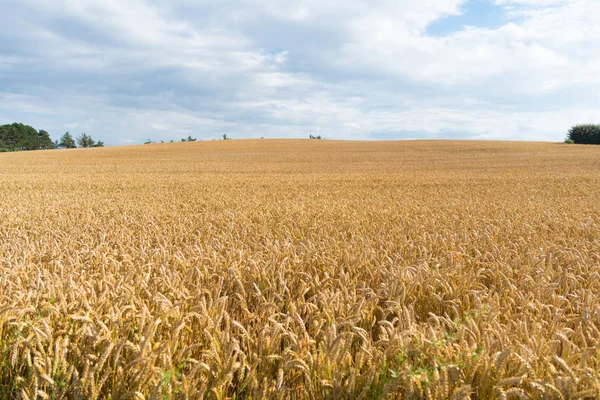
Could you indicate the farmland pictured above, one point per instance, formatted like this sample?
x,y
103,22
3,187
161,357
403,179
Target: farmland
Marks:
x,y
301,269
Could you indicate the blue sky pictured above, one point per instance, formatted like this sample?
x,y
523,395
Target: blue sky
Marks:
x,y
129,71
474,13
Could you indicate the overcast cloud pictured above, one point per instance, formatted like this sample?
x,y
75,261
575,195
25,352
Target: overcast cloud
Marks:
x,y
127,71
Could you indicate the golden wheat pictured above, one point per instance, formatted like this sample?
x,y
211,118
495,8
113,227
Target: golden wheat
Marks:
x,y
301,269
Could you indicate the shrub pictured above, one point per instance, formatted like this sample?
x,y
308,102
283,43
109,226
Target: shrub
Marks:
x,y
569,141
585,134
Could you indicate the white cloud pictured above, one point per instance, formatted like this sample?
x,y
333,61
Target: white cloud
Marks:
x,y
546,51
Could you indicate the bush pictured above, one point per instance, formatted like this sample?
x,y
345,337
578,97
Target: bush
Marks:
x,y
569,141
585,134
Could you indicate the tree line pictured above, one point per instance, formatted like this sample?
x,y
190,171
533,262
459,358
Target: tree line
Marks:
x,y
20,137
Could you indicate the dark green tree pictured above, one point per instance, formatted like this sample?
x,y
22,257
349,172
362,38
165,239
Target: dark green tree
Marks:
x,y
15,137
29,139
9,137
84,140
585,134
44,140
66,141
99,143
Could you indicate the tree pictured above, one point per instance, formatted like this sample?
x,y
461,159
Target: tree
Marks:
x,y
585,134
44,140
29,139
191,139
99,143
85,141
17,136
66,141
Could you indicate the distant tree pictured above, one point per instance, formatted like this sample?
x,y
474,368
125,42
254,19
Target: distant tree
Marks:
x,y
44,140
9,137
585,134
66,141
84,140
191,139
17,137
225,137
99,143
29,139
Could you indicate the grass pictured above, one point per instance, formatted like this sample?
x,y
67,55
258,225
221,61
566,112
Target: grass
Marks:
x,y
301,269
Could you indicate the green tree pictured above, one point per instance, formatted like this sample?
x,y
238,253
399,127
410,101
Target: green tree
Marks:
x,y
17,136
66,141
84,140
99,143
44,140
585,134
29,138
9,137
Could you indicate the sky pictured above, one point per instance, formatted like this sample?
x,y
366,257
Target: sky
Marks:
x,y
128,71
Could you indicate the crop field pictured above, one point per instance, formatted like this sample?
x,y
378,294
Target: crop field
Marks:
x,y
301,269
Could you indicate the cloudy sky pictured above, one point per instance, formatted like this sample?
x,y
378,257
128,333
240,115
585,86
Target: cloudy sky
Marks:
x,y
127,71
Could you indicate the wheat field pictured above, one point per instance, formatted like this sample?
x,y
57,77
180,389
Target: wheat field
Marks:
x,y
297,269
